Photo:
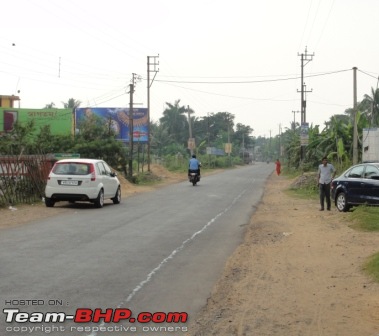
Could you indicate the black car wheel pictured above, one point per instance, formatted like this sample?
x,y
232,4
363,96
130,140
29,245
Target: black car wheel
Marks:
x,y
117,198
99,201
341,202
49,202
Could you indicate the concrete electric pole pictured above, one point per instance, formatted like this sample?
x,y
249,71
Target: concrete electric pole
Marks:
x,y
305,59
151,61
191,140
131,131
294,119
355,131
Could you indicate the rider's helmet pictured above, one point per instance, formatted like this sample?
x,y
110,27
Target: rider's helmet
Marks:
x,y
194,156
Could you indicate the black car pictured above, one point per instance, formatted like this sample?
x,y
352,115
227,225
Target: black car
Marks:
x,y
357,185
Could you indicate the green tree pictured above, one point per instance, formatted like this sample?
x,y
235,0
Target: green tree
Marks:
x,y
241,136
19,140
291,142
97,140
49,106
175,121
160,138
370,107
72,103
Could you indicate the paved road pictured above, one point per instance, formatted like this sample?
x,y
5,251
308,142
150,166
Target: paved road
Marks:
x,y
160,251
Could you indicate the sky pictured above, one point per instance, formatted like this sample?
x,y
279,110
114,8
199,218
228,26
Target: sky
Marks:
x,y
240,56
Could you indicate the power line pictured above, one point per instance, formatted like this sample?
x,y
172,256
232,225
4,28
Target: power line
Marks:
x,y
252,81
376,77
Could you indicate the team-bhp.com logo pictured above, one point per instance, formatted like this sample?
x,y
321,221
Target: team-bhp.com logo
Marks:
x,y
86,315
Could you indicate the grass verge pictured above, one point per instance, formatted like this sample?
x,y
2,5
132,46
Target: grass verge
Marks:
x,y
371,267
365,218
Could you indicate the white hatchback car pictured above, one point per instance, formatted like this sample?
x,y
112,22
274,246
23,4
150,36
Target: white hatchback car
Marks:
x,y
82,180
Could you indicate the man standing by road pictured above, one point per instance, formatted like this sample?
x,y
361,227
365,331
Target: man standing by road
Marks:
x,y
326,173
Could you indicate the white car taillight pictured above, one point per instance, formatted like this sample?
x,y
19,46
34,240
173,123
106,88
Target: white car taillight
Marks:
x,y
92,172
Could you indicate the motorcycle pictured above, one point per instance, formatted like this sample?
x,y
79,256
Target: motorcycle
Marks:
x,y
193,177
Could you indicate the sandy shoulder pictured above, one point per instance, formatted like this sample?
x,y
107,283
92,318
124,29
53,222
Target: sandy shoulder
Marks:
x,y
297,273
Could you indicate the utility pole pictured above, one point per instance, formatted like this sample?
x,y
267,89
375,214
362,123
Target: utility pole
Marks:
x,y
304,105
230,149
294,120
355,131
280,140
305,59
153,63
131,92
190,129
269,146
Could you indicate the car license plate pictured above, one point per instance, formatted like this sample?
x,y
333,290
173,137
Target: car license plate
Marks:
x,y
71,183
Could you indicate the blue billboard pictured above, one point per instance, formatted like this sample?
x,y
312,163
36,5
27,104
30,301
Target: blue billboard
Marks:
x,y
119,119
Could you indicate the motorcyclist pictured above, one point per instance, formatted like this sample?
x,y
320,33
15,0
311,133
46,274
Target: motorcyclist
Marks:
x,y
194,166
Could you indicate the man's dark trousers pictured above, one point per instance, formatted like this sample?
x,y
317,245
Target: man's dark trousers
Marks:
x,y
325,193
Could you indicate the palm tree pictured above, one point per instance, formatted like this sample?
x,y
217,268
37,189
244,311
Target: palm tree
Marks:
x,y
370,107
72,103
175,121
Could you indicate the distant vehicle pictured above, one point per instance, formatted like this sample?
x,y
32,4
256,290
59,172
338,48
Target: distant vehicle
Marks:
x,y
194,177
357,185
86,180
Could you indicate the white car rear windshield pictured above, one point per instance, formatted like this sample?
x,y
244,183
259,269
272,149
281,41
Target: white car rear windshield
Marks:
x,y
72,168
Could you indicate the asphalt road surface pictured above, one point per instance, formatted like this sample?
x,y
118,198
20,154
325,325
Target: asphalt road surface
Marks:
x,y
155,254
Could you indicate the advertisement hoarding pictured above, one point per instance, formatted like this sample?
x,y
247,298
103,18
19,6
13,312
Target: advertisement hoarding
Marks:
x,y
59,120
119,121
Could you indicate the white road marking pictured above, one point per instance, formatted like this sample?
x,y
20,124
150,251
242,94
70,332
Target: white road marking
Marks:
x,y
172,255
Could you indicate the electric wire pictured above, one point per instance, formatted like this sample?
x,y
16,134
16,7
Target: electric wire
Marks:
x,y
253,81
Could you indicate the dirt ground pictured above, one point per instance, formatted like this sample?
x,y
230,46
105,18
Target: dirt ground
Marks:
x,y
298,271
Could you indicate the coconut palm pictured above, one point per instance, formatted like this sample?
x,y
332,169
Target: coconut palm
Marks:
x,y
175,121
72,103
370,107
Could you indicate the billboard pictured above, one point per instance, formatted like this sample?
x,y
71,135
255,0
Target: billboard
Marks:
x,y
59,120
119,119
